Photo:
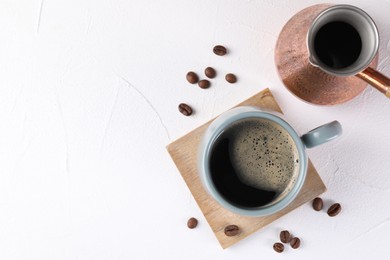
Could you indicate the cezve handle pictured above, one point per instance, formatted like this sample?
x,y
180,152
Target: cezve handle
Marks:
x,y
376,79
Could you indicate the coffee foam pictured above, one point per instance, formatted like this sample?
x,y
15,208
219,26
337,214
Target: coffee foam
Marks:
x,y
263,154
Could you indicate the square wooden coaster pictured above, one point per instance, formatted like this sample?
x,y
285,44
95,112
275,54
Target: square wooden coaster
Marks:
x,y
184,153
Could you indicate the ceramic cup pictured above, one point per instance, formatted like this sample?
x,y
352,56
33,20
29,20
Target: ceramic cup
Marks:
x,y
311,139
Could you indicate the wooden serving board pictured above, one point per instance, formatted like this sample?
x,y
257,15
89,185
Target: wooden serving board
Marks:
x,y
184,153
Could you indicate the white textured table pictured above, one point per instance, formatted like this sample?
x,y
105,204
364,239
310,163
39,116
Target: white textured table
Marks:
x,y
88,101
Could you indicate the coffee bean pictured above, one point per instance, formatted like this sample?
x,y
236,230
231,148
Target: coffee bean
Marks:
x,y
231,78
279,247
295,242
334,210
192,77
231,230
192,223
285,236
219,50
185,109
210,72
317,204
204,83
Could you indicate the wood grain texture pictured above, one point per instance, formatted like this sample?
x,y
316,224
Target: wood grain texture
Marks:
x,y
184,153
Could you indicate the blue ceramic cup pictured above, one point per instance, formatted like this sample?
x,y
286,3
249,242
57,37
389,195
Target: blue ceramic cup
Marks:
x,y
317,136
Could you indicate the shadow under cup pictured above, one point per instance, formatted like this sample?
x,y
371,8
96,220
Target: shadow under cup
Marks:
x,y
255,163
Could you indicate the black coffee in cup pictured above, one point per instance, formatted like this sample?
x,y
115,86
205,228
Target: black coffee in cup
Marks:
x,y
254,162
337,44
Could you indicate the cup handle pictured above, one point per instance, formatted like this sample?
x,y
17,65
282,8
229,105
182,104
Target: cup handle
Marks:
x,y
376,79
322,134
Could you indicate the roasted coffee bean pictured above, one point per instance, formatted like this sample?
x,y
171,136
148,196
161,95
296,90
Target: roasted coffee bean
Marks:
x,y
295,242
279,247
192,223
232,230
231,78
285,236
219,50
317,204
210,72
185,109
192,77
204,83
334,210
